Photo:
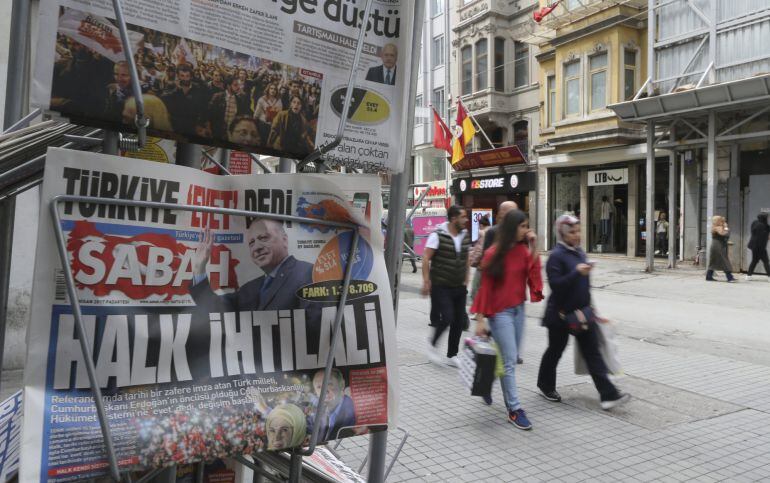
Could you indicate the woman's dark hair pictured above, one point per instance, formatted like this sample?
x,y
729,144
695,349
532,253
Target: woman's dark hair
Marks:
x,y
505,239
762,217
240,119
484,221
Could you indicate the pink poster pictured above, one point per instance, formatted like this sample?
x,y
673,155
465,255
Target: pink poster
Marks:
x,y
424,225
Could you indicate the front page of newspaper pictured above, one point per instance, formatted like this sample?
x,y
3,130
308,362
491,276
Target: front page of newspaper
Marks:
x,y
209,332
267,76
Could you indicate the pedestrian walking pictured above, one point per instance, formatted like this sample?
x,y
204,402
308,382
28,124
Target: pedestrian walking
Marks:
x,y
409,240
760,233
718,256
661,233
508,267
445,270
476,253
569,278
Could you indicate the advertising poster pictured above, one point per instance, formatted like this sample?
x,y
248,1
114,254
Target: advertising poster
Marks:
x,y
265,76
476,215
209,332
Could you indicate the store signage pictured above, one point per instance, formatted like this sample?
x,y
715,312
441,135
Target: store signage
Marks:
x,y
496,184
608,177
437,189
490,157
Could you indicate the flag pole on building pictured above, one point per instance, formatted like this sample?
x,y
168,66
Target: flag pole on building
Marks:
x,y
492,146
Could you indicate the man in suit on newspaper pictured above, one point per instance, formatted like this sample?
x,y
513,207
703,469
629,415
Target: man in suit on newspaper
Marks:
x,y
385,73
282,275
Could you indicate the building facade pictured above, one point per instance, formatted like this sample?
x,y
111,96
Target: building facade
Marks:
x,y
590,163
494,75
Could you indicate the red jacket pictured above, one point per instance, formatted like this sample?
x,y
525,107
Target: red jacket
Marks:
x,y
521,269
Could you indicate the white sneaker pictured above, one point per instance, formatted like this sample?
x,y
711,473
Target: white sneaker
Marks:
x,y
748,278
607,405
452,361
433,355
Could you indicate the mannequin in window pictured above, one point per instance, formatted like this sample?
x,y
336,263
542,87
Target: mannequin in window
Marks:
x,y
605,216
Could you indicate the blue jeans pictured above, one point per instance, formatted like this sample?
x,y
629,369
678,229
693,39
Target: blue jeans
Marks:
x,y
508,331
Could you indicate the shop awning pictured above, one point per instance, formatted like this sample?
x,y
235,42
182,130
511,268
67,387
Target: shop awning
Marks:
x,y
724,96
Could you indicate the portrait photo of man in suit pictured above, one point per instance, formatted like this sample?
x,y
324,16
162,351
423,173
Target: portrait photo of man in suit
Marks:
x,y
282,274
385,73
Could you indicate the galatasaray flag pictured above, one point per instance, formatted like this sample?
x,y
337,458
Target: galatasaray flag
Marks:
x,y
464,131
442,136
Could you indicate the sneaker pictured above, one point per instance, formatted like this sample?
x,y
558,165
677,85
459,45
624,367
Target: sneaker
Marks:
x,y
487,400
519,360
748,278
731,280
433,355
519,419
611,403
452,361
552,396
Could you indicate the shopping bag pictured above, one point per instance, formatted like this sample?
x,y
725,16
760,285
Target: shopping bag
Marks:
x,y
608,348
476,366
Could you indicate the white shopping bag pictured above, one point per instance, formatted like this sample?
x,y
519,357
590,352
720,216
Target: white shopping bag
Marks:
x,y
608,348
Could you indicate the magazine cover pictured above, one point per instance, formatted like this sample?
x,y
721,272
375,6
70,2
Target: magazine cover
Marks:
x,y
209,332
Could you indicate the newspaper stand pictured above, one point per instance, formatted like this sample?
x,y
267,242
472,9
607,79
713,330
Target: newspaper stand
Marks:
x,y
293,470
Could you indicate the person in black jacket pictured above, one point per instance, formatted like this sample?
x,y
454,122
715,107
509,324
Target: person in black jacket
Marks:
x,y
568,276
760,233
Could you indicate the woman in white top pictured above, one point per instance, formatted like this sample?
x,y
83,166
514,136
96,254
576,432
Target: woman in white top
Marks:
x,y
267,107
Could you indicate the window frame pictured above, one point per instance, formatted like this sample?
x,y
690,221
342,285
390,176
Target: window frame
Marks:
x,y
517,47
590,80
466,82
437,52
481,73
550,99
442,107
439,10
499,69
627,67
565,82
418,102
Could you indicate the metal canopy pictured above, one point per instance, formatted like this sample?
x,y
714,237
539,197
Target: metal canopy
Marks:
x,y
727,95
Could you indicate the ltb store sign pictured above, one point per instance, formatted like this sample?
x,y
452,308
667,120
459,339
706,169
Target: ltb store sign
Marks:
x,y
606,177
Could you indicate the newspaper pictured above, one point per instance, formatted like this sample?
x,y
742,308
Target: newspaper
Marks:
x,y
208,336
10,436
266,76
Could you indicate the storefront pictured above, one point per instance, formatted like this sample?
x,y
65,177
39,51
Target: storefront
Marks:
x,y
436,196
484,194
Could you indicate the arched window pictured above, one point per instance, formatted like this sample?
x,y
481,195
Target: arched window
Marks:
x,y
482,80
466,55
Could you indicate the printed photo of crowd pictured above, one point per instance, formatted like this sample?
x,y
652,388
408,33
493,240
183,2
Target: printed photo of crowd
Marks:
x,y
192,91
262,421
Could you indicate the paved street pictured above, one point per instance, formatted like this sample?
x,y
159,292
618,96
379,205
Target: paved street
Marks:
x,y
696,362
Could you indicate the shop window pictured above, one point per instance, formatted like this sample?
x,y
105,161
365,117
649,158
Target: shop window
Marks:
x,y
521,136
572,89
607,217
466,55
597,65
521,64
438,102
565,197
551,99
499,64
629,74
437,55
481,65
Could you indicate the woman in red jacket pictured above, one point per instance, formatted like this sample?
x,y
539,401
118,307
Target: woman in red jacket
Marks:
x,y
508,266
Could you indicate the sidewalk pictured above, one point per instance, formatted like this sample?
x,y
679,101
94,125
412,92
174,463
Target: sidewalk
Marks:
x,y
700,380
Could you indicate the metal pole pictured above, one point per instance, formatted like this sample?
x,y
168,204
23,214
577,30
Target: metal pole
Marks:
x,y
673,212
651,36
650,211
378,442
187,155
711,180
286,165
110,142
15,106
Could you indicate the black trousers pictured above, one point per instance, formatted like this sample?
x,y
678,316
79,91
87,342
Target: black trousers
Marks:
x,y
758,255
449,303
589,346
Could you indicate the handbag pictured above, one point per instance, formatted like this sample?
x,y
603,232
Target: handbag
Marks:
x,y
578,320
476,366
608,348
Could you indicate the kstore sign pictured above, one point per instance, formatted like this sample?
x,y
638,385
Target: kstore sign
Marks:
x,y
514,182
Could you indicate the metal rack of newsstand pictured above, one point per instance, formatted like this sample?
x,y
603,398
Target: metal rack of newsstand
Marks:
x,y
267,465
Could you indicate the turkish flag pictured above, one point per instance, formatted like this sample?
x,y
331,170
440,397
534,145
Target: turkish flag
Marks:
x,y
442,137
539,15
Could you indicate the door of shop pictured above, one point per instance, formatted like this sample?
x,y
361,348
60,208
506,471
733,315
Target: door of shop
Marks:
x,y
757,201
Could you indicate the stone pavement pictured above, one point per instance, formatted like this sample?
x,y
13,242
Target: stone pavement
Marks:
x,y
696,362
